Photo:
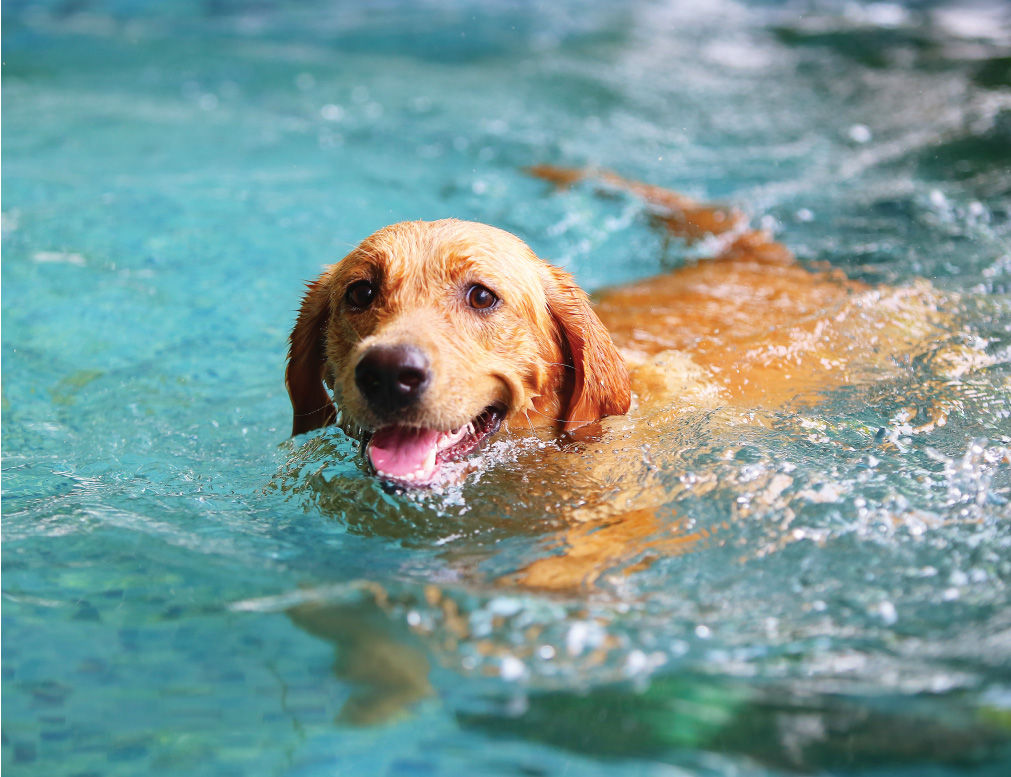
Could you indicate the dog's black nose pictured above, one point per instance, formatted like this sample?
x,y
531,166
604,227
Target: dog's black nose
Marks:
x,y
391,377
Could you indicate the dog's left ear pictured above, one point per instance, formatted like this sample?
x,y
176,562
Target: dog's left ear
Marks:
x,y
310,403
601,384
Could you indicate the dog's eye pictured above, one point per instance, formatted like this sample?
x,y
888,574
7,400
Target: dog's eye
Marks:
x,y
360,294
481,298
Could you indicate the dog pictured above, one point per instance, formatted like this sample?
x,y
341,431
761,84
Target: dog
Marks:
x,y
430,339
434,337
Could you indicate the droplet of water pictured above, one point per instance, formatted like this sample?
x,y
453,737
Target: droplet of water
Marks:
x,y
512,668
859,133
331,112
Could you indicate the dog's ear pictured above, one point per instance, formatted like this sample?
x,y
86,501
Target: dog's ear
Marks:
x,y
600,386
310,403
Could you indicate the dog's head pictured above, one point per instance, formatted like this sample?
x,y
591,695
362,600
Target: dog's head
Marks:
x,y
433,334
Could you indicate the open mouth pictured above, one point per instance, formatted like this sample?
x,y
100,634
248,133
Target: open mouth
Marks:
x,y
411,455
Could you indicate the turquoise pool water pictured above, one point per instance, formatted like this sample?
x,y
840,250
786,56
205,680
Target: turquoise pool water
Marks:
x,y
187,592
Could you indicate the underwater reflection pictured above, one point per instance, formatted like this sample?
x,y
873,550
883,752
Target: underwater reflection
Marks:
x,y
679,714
528,517
671,718
386,669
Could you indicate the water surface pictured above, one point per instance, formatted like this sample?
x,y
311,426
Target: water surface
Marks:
x,y
823,589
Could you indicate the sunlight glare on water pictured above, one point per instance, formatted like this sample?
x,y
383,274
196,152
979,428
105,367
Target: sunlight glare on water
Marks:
x,y
819,585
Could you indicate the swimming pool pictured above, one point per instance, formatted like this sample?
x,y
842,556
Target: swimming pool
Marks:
x,y
184,588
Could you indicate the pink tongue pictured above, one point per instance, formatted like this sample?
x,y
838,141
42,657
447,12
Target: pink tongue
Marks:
x,y
404,452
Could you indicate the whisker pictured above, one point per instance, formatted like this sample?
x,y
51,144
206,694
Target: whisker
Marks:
x,y
309,412
561,420
542,415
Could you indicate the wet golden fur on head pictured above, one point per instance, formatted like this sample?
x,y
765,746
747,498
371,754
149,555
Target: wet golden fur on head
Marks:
x,y
541,353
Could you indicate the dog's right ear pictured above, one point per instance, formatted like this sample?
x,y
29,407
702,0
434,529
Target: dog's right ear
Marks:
x,y
310,403
600,378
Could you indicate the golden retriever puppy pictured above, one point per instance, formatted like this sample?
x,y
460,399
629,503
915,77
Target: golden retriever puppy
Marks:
x,y
433,336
